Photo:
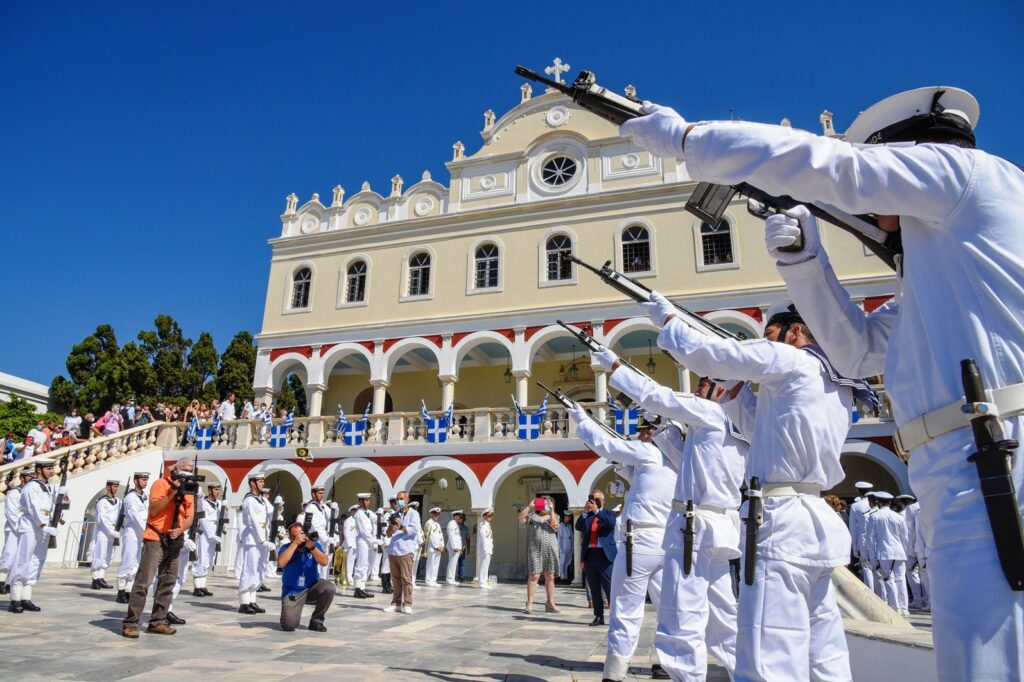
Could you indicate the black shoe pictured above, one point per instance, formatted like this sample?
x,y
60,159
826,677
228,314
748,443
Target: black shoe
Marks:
x,y
198,592
104,584
598,620
658,673
15,607
247,609
4,588
29,606
173,619
122,597
207,593
256,608
263,588
367,595
95,585
317,627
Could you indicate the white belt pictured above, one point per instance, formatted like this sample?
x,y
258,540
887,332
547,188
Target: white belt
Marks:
x,y
1007,401
791,490
645,525
680,506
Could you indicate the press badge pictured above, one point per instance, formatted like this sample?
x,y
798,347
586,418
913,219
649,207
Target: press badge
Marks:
x,y
302,581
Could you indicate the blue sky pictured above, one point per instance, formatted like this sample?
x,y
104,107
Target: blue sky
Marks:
x,y
146,147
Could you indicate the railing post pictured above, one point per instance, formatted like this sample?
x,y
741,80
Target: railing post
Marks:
x,y
396,429
243,435
315,432
482,425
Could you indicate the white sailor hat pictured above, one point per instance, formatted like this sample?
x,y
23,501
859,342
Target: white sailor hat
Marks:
x,y
257,477
364,496
414,504
380,510
863,485
113,481
317,488
932,113
45,462
435,510
459,512
215,484
567,512
882,495
784,313
140,474
27,471
871,493
353,507
488,512
905,497
617,508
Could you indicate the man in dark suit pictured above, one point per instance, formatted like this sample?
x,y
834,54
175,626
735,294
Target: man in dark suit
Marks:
x,y
597,532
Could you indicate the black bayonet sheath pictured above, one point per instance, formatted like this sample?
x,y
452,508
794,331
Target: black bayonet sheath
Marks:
x,y
688,533
992,461
629,547
753,522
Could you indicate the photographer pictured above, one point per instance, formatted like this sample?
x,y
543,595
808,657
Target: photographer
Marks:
x,y
541,522
170,515
301,580
597,527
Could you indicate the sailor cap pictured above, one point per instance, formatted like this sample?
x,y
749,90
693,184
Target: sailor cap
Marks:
x,y
617,508
215,485
113,481
488,512
27,471
435,510
257,477
882,495
567,512
459,512
863,485
905,497
414,504
46,462
140,474
871,493
364,496
353,507
784,313
317,488
878,124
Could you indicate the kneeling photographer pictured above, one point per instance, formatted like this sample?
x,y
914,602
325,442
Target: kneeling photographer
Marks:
x,y
301,580
171,505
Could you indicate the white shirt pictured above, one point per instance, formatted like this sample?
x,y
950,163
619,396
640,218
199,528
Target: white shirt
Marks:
x,y
454,536
227,410
320,514
857,522
37,501
208,524
107,510
407,541
434,536
366,526
12,510
256,516
136,511
72,423
348,531
889,535
484,538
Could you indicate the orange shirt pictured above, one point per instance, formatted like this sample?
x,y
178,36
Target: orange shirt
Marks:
x,y
163,521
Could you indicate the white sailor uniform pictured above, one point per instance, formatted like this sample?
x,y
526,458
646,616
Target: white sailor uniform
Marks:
x,y
484,551
857,522
207,542
889,537
12,514
106,511
366,523
454,546
37,502
962,228
254,544
434,543
348,534
136,514
789,625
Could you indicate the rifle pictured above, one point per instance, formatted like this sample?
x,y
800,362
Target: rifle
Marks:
x,y
642,294
568,404
119,524
197,514
61,504
332,524
708,201
275,523
591,344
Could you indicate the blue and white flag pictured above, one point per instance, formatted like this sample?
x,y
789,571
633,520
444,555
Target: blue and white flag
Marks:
x,y
193,429
436,429
626,419
268,422
352,433
279,434
530,425
217,428
204,439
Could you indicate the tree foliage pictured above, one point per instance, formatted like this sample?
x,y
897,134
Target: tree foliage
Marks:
x,y
163,365
19,416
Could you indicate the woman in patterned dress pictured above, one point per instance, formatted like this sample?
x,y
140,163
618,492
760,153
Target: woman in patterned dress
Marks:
x,y
541,522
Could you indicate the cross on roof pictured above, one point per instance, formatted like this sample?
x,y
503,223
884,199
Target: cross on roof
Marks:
x,y
556,70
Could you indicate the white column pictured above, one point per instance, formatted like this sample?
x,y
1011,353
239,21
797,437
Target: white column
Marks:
x,y
264,394
447,390
314,399
577,550
600,391
522,386
684,380
380,392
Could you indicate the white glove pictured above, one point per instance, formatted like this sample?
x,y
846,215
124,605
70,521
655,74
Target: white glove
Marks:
x,y
603,358
278,501
660,131
50,530
334,506
783,229
577,413
269,546
190,544
659,309
63,490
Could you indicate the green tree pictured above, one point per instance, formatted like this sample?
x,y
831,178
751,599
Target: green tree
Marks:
x,y
168,351
202,368
19,416
95,377
141,375
237,366
292,396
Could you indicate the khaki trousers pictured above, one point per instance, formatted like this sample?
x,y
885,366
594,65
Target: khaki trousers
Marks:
x,y
401,578
153,561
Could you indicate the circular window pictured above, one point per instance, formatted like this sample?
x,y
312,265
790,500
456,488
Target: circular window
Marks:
x,y
558,170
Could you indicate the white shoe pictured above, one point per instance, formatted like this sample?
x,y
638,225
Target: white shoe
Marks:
x,y
406,609
451,582
390,608
431,585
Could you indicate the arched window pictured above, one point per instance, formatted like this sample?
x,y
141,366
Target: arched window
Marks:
x,y
487,266
419,274
301,281
558,267
716,243
636,249
355,282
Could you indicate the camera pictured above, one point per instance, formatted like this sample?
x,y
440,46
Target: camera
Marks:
x,y
597,502
307,528
188,482
394,519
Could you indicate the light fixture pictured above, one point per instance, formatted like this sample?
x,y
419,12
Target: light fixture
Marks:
x,y
508,371
650,358
545,481
460,483
574,371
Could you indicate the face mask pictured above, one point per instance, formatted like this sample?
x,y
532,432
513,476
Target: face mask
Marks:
x,y
401,504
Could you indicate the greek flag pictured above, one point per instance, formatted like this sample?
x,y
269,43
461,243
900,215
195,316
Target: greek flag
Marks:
x,y
204,438
437,429
267,421
626,419
279,434
529,425
217,428
352,433
193,429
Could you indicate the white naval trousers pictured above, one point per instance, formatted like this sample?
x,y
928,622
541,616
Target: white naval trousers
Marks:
x,y
375,563
483,569
350,564
867,574
362,563
914,579
627,607
102,553
789,625
697,614
251,562
894,579
433,564
7,556
453,565
131,554
206,548
29,558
